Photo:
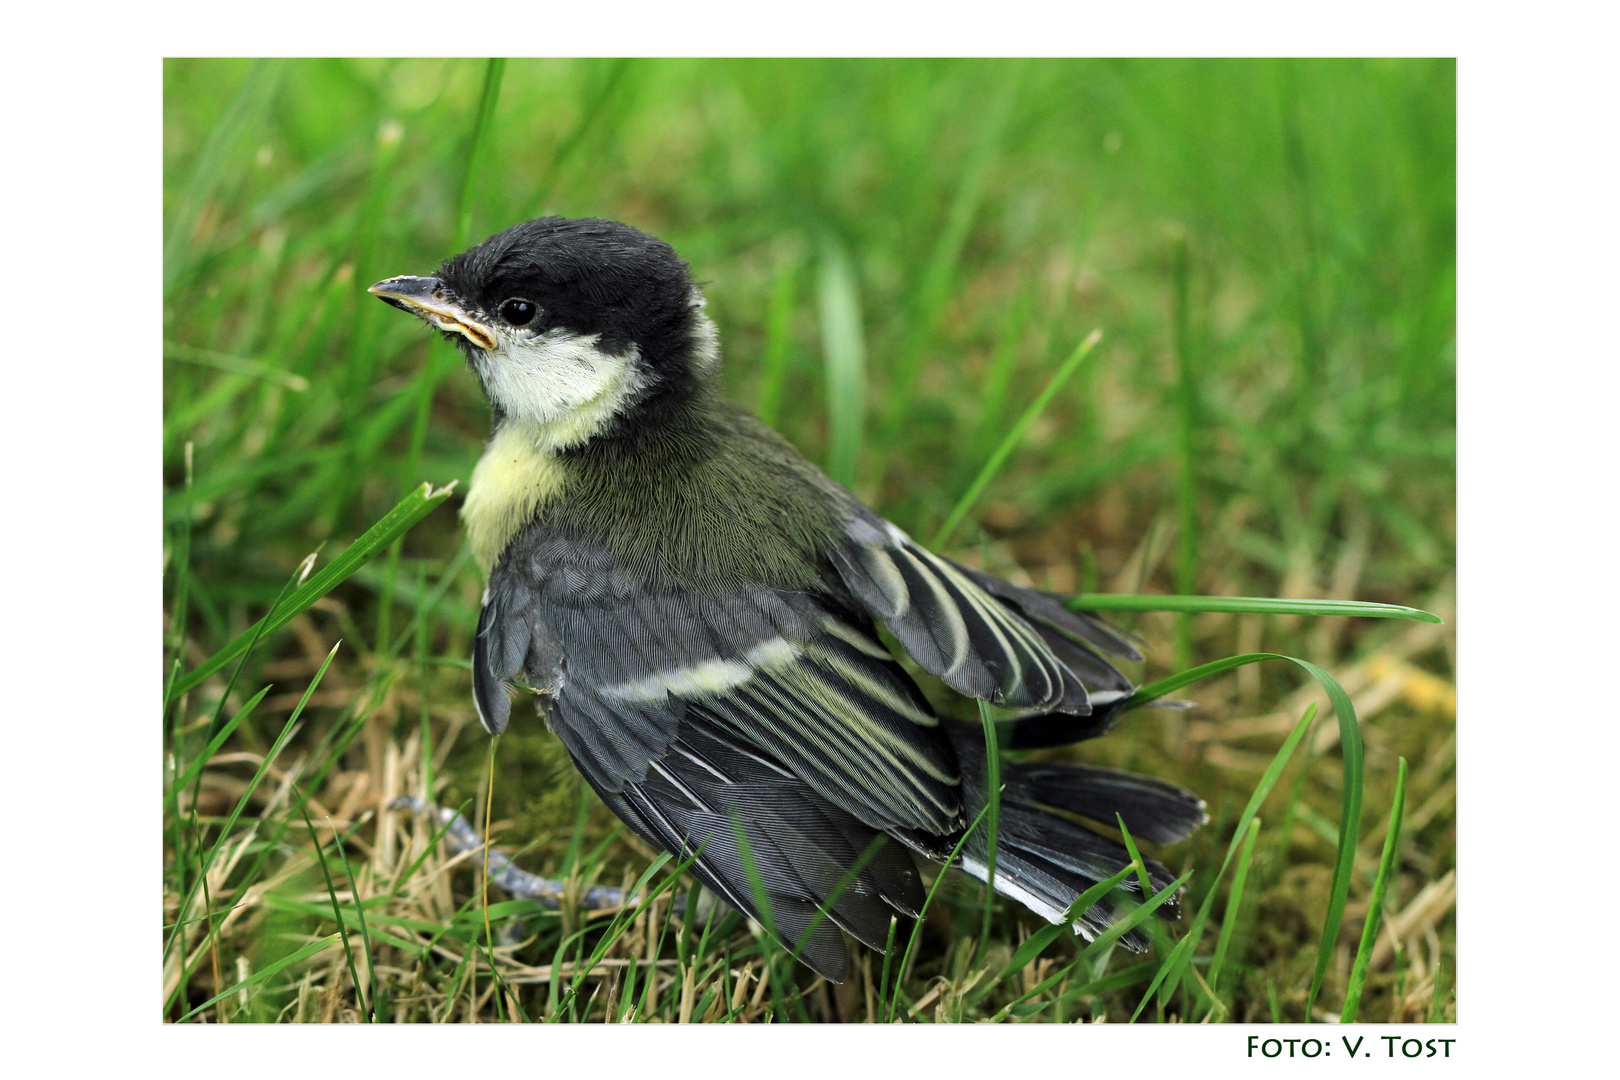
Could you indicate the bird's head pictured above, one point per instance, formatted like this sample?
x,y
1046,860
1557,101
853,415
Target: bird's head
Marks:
x,y
572,325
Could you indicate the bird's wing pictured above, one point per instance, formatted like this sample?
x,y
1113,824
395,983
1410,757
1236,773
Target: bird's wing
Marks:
x,y
769,844
772,717
793,676
1049,612
982,636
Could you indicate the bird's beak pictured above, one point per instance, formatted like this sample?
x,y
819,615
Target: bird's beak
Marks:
x,y
429,298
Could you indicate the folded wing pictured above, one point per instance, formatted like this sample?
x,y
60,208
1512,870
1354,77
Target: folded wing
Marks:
x,y
795,675
1016,648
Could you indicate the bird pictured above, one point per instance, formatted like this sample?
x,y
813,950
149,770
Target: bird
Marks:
x,y
695,608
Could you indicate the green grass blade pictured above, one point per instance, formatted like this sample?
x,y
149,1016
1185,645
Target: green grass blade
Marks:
x,y
1248,605
1082,903
427,850
179,611
218,720
325,757
1174,967
622,921
171,714
1354,766
591,115
1186,400
202,759
828,902
337,910
778,342
652,975
353,919
756,883
762,903
922,915
992,802
1136,856
1037,942
267,972
237,365
843,343
494,70
883,979
1119,980
994,389
411,509
1352,752
247,793
365,940
1138,915
1375,909
1011,440
240,119
1234,902
933,291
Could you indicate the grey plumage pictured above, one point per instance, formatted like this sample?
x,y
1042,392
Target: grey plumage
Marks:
x,y
698,607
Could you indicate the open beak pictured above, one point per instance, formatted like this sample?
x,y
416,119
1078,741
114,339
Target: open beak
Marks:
x,y
429,298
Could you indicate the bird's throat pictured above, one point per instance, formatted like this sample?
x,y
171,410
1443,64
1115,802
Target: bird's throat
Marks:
x,y
516,476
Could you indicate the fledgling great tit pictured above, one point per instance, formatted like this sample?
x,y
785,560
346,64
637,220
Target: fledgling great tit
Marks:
x,y
698,605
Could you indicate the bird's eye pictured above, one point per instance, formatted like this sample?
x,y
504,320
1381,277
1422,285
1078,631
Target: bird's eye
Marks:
x,y
518,312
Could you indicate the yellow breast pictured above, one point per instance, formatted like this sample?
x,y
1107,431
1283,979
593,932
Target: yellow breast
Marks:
x,y
511,481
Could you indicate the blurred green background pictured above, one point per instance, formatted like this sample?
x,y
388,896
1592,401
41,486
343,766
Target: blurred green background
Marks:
x,y
910,247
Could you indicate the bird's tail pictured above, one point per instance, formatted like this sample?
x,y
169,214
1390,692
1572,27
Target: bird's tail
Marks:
x,y
1044,858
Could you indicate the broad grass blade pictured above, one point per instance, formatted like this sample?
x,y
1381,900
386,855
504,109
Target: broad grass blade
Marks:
x,y
411,509
844,344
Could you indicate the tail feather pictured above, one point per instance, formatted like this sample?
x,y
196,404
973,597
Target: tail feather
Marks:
x,y
1046,730
1046,861
1154,811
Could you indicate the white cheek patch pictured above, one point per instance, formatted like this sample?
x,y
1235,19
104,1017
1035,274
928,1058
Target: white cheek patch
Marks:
x,y
560,383
705,340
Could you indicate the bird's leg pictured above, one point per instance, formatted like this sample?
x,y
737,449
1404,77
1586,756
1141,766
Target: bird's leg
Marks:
x,y
460,836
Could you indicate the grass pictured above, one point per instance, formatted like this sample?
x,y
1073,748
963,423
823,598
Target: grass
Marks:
x,y
903,258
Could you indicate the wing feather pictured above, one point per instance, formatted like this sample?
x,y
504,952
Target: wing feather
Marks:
x,y
711,793
1048,609
954,628
797,675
